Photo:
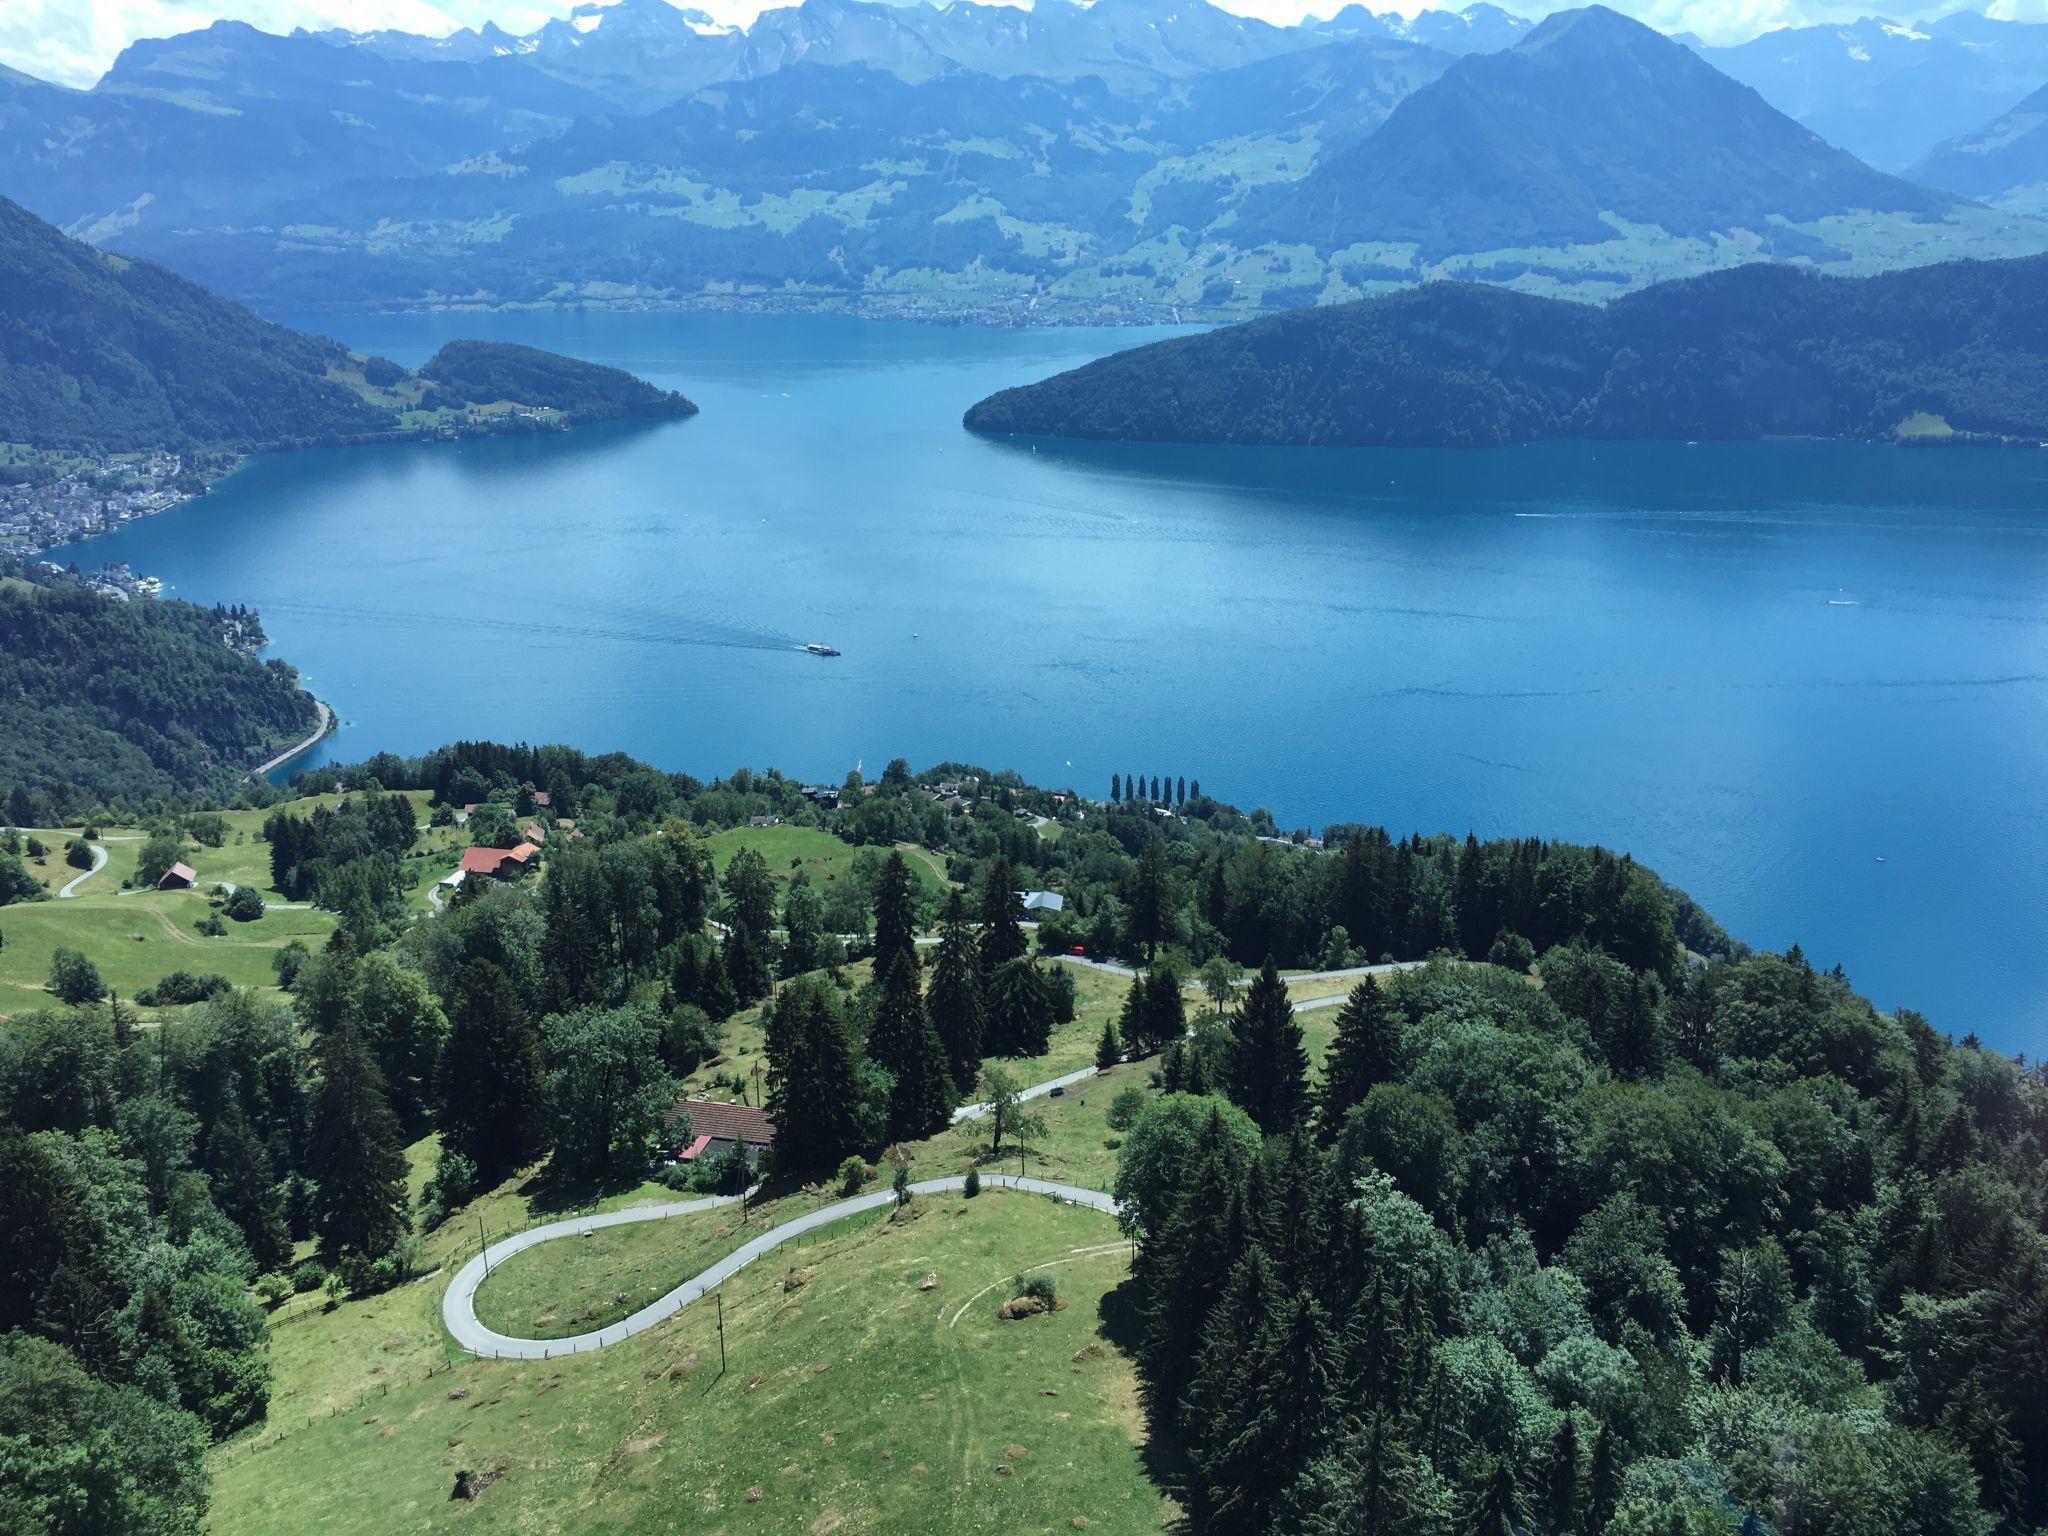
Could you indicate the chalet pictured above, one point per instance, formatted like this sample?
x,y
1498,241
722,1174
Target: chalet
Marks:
x,y
764,821
1043,901
543,799
533,833
715,1128
505,863
179,877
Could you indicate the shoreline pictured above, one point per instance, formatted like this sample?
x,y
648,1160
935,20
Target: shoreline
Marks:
x,y
329,723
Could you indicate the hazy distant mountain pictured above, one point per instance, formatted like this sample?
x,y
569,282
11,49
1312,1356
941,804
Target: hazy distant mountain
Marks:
x,y
1590,115
2004,163
1889,93
227,122
1960,347
1479,28
1129,159
1339,92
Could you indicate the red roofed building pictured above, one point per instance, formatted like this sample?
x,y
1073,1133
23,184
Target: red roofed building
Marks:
x,y
715,1127
505,863
179,877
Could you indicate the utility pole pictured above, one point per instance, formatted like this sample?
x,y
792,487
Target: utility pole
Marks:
x,y
719,1298
486,1248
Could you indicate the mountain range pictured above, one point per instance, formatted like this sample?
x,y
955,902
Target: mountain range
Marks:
x,y
1957,348
1128,159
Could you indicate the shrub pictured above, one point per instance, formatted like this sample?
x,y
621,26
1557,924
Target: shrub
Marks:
x,y
245,905
75,979
212,927
1039,1286
181,987
1513,951
973,1183
288,962
1125,1108
78,853
900,1185
852,1174
273,1288
308,1275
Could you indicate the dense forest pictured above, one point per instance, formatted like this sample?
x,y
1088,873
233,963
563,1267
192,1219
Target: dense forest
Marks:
x,y
1753,352
102,700
103,354
1598,1222
480,372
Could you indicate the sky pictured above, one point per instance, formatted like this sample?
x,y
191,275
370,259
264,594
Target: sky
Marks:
x,y
73,41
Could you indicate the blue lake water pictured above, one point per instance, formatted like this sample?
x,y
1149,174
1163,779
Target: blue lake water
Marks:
x,y
1807,682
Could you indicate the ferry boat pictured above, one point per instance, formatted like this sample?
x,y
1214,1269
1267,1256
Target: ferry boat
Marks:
x,y
821,650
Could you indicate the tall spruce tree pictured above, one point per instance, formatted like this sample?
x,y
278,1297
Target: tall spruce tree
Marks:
x,y
1002,932
1147,897
489,1076
895,913
355,1156
1266,1063
954,999
902,1040
1019,1011
1366,1051
1498,1509
245,1187
1559,1492
813,1083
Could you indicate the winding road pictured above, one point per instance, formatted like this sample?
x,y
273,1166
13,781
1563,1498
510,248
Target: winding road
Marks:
x,y
99,862
458,1306
326,720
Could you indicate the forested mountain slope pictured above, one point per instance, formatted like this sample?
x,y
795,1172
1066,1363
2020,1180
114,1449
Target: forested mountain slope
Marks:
x,y
134,699
1757,351
102,353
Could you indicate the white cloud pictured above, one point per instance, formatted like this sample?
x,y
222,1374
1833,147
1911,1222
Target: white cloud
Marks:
x,y
73,41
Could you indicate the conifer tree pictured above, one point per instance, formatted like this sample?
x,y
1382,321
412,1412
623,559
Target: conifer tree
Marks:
x,y
245,1188
1281,1422
903,1041
895,914
1164,1006
1002,932
489,1076
1375,1484
1603,1484
954,999
355,1156
1267,1065
1185,1263
1116,788
1019,1012
813,1088
1498,1509
1366,1051
1148,896
1560,1486
1108,1050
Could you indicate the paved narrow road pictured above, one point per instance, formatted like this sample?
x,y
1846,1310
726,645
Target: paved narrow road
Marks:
x,y
458,1306
326,719
99,862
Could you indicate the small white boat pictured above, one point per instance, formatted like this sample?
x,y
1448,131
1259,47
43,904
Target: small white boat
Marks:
x,y
820,650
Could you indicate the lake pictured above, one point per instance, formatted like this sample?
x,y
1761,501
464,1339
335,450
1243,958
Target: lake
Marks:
x,y
1806,682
